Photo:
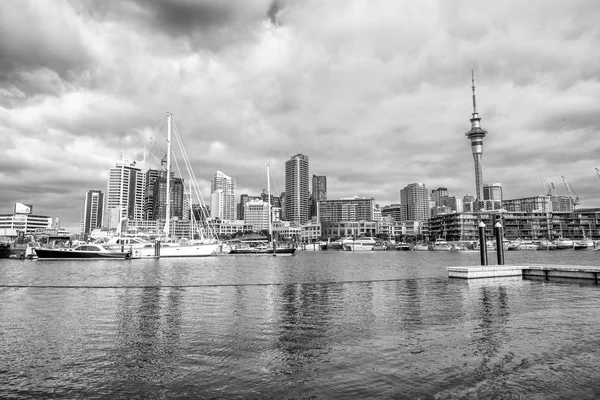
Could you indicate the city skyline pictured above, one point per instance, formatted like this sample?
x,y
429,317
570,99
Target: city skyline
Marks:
x,y
378,96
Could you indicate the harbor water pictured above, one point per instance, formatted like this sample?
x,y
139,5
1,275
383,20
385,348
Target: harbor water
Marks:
x,y
332,324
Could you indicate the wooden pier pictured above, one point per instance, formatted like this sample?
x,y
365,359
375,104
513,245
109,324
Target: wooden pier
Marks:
x,y
571,273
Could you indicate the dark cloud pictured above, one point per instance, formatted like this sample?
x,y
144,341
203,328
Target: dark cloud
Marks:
x,y
205,24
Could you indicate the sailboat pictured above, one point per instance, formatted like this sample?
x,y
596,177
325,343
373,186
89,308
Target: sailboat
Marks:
x,y
269,247
166,248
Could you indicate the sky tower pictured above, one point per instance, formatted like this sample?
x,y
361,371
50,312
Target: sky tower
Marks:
x,y
476,135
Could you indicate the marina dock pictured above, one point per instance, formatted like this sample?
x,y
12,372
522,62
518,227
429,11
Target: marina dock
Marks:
x,y
562,273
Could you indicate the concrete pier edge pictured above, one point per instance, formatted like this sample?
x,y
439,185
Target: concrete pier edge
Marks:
x,y
533,271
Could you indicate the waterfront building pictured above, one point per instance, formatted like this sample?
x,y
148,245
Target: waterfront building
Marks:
x,y
92,211
528,204
492,192
296,189
338,229
392,210
519,224
310,232
414,200
346,209
390,227
124,194
285,230
476,135
228,228
222,197
13,225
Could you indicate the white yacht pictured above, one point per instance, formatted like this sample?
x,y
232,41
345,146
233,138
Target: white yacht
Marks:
x,y
359,244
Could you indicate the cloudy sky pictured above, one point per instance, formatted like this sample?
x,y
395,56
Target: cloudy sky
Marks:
x,y
376,93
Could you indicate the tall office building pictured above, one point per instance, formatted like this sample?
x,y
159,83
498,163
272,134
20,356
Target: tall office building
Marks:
x,y
296,189
222,197
414,200
150,177
92,211
124,194
476,135
159,197
319,187
492,192
319,193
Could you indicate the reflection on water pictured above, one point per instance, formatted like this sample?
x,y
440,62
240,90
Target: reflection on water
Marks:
x,y
387,325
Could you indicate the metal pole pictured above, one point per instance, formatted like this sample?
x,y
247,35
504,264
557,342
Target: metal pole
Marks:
x,y
482,244
499,244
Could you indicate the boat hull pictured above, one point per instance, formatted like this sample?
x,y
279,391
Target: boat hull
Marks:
x,y
262,252
172,251
68,254
358,247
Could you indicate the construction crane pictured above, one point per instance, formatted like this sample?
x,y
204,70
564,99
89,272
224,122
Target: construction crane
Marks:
x,y
571,192
552,191
546,187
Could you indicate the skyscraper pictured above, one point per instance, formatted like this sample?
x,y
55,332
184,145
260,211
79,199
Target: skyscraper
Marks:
x,y
414,200
159,197
296,189
125,194
150,177
222,197
476,135
92,211
319,193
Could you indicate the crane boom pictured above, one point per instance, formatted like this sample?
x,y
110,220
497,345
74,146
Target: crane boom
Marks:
x,y
546,187
571,192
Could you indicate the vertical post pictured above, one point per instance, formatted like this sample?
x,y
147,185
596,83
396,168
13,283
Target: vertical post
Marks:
x,y
482,244
499,244
157,248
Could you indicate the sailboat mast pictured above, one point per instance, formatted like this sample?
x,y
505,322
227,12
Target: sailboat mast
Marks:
x,y
168,206
269,201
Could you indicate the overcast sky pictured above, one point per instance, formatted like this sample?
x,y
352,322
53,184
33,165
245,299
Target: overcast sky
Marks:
x,y
376,93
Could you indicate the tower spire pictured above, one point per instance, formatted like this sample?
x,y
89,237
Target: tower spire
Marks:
x,y
473,87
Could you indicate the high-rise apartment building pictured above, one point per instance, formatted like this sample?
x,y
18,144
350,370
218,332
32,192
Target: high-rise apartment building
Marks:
x,y
492,192
222,197
296,189
92,211
414,200
124,194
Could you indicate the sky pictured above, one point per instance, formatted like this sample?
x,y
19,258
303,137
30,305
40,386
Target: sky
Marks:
x,y
376,93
